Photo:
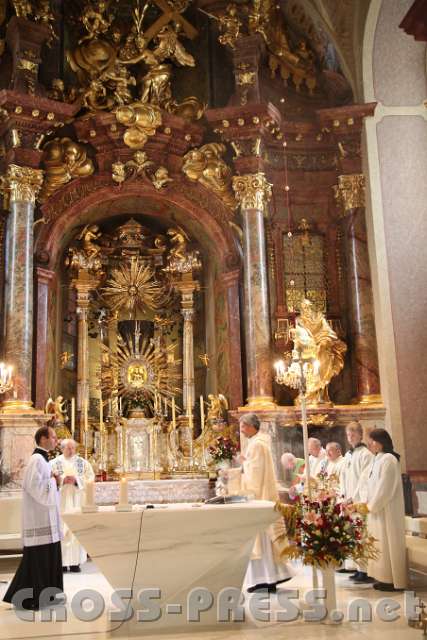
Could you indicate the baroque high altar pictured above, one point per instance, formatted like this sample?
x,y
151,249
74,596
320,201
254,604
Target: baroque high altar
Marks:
x,y
160,250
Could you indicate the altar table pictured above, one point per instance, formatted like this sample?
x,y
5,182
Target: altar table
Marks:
x,y
176,548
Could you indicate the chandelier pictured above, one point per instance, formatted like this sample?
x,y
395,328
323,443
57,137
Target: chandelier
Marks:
x,y
6,382
299,374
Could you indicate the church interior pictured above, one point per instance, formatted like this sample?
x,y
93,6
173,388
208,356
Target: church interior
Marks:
x,y
209,209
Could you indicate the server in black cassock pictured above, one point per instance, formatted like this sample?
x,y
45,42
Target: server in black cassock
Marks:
x,y
41,564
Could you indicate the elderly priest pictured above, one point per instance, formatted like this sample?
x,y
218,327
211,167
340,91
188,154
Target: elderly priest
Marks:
x,y
266,569
41,564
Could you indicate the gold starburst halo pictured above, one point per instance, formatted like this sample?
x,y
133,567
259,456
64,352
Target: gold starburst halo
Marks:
x,y
132,287
139,368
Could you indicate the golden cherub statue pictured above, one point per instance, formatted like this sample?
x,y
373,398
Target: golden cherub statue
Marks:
x,y
57,408
88,235
217,408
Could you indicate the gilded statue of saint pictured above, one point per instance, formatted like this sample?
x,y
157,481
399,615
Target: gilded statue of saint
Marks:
x,y
314,337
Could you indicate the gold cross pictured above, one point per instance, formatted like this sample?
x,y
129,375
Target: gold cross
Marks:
x,y
169,14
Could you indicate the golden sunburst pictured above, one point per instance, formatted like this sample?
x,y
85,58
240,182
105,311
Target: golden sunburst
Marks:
x,y
133,287
140,369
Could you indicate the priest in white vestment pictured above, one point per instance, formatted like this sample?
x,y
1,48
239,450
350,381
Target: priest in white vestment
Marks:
x,y
332,464
41,565
266,569
317,454
386,514
357,461
73,471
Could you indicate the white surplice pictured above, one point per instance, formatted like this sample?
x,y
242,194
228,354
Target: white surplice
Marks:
x,y
71,498
316,462
353,475
386,520
333,467
40,504
259,480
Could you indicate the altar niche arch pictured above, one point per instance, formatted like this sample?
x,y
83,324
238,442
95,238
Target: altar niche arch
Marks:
x,y
96,201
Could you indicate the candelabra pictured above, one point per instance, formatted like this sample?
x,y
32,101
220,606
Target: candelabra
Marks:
x,y
302,372
6,382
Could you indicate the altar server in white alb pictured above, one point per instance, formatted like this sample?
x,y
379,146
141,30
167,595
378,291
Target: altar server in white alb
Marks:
x,y
73,471
386,514
41,564
266,569
353,483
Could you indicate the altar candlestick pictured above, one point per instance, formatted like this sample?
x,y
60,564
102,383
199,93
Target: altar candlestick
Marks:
x,y
101,412
202,413
73,416
90,493
123,494
173,413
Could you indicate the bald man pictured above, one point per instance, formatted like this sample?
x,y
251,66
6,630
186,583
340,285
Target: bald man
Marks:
x,y
333,463
316,456
73,471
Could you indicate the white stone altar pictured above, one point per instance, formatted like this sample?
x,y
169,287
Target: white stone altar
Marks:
x,y
155,491
175,548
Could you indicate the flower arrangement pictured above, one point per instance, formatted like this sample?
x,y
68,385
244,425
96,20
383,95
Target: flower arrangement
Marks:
x,y
222,449
324,530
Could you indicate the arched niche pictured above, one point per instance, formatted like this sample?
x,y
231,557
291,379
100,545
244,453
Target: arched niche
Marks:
x,y
201,214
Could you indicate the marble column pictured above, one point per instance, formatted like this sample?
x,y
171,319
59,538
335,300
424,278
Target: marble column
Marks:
x,y
83,288
45,280
23,184
187,309
253,191
350,196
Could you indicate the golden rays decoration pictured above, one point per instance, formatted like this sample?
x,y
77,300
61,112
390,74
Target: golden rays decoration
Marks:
x,y
132,287
141,369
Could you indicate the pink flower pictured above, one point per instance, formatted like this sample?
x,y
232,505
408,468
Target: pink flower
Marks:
x,y
310,517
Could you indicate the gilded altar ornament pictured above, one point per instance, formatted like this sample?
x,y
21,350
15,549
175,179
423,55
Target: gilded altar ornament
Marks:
x,y
161,178
217,408
102,63
350,192
253,191
141,122
141,369
316,340
57,408
87,258
134,168
63,161
132,287
229,26
207,166
181,259
204,359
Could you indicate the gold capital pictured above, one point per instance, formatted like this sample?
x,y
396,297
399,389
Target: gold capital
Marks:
x,y
350,191
252,190
23,183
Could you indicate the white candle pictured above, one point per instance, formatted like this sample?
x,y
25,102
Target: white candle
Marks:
x,y
73,416
173,413
90,493
123,494
101,412
202,412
